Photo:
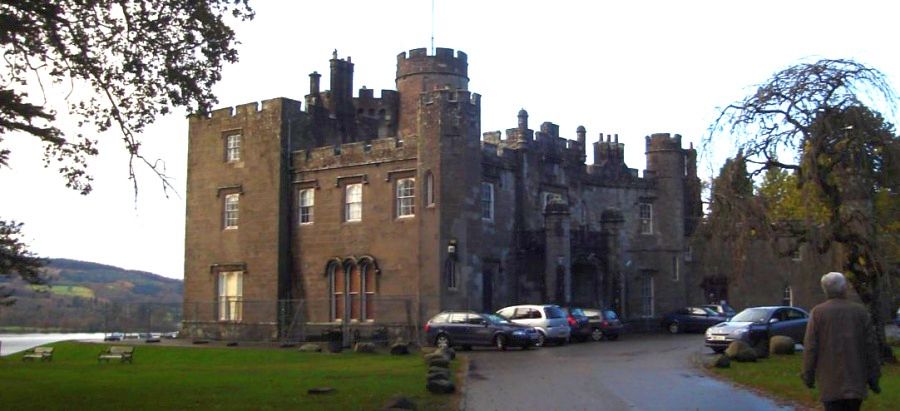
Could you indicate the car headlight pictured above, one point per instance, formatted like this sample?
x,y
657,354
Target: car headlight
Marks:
x,y
709,332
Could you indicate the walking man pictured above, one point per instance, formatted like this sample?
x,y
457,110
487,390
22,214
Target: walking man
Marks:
x,y
839,351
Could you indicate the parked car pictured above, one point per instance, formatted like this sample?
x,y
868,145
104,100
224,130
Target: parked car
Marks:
x,y
548,320
691,319
114,337
756,325
724,310
603,324
468,328
579,327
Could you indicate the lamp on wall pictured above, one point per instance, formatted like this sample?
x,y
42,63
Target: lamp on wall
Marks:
x,y
451,249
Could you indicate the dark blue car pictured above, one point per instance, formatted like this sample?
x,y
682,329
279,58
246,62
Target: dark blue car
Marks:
x,y
687,319
756,325
467,328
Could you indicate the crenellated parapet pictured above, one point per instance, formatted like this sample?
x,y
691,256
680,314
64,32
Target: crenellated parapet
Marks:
x,y
250,110
351,154
444,61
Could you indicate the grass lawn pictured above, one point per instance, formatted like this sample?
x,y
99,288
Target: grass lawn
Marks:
x,y
213,379
780,377
66,290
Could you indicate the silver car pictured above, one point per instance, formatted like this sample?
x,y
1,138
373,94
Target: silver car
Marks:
x,y
549,320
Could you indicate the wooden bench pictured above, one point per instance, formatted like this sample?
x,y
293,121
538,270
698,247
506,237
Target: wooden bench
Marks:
x,y
115,352
41,353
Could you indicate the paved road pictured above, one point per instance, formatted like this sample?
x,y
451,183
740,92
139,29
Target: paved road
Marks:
x,y
642,372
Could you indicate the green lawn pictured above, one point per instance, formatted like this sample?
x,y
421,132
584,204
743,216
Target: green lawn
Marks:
x,y
213,378
66,290
780,377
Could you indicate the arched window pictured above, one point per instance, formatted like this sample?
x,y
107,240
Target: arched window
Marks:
x,y
368,273
352,288
337,287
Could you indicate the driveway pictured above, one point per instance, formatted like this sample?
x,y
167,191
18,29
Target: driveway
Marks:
x,y
640,372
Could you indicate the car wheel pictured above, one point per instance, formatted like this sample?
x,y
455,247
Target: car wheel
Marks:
x,y
442,341
718,350
541,339
674,327
525,346
500,342
596,334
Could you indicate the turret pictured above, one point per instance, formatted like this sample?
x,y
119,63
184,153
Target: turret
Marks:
x,y
417,72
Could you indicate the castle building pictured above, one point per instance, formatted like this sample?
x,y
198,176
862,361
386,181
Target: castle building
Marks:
x,y
382,211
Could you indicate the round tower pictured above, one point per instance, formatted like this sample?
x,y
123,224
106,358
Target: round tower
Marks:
x,y
418,72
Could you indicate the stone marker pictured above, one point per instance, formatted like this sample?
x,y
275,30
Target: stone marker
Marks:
x,y
400,348
741,352
400,403
440,386
781,345
320,390
439,362
365,348
311,347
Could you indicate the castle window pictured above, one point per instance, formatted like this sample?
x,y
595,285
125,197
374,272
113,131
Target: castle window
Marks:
x,y
787,296
675,269
647,292
353,202
354,286
338,282
352,291
487,201
406,197
795,254
233,147
429,189
230,295
232,209
368,291
646,216
307,201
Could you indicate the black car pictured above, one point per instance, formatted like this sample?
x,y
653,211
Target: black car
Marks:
x,y
603,323
756,325
579,323
723,309
468,328
691,319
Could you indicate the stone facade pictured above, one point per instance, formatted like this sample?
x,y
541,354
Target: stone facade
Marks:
x,y
387,210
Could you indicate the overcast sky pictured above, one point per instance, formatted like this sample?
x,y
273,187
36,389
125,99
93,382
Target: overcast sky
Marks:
x,y
632,68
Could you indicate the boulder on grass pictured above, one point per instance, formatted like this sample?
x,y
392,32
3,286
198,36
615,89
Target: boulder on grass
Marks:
x,y
740,351
440,386
438,369
449,352
439,362
400,348
368,348
435,356
781,345
401,403
722,361
311,347
440,373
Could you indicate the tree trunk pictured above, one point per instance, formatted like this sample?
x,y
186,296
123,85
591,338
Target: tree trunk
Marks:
x,y
866,280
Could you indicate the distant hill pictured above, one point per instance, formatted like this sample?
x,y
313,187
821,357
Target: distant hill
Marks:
x,y
86,296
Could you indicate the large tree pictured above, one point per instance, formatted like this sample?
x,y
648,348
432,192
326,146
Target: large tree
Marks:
x,y
841,152
115,66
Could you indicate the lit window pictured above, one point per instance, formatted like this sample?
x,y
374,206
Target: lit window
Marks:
x,y
353,203
230,295
307,201
231,210
406,198
233,147
487,201
646,210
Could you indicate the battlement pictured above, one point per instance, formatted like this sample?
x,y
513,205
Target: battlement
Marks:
x,y
663,142
444,61
362,152
451,96
250,109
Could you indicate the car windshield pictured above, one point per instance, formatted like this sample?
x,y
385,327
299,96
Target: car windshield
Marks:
x,y
752,315
496,319
610,315
712,312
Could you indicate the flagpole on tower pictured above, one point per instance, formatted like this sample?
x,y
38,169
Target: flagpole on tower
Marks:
x,y
432,27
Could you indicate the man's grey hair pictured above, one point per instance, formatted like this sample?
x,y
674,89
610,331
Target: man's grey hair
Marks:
x,y
834,284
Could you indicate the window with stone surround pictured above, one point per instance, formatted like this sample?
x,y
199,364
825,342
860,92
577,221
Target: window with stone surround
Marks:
x,y
487,201
352,290
406,197
307,201
353,202
429,189
646,217
788,296
233,147
232,211
230,295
